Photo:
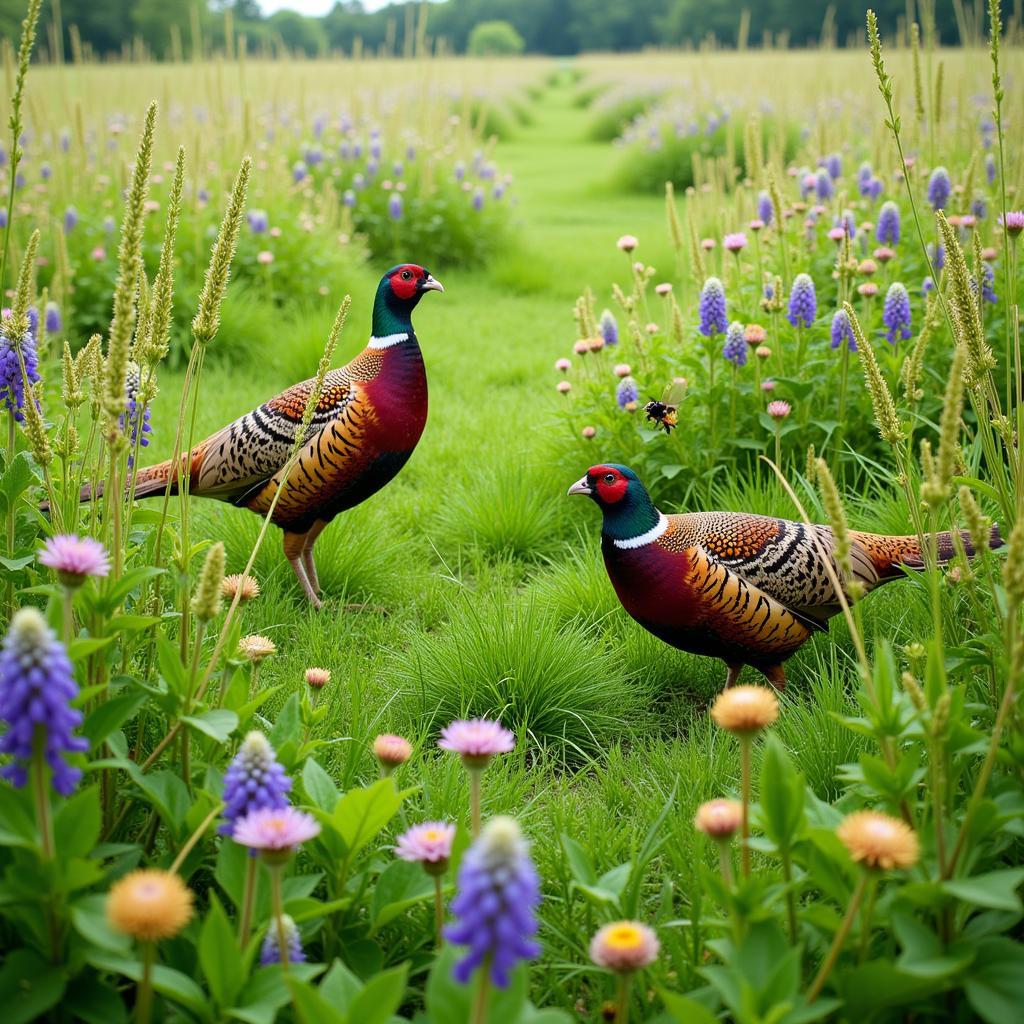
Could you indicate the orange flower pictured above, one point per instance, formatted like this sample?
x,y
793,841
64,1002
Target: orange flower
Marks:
x,y
879,841
255,647
745,709
149,904
719,818
246,587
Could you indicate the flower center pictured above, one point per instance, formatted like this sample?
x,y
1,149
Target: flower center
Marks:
x,y
624,937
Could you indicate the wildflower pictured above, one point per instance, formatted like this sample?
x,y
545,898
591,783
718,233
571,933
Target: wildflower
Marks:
x,y
348,198
395,206
247,587
803,302
258,221
563,365
208,598
624,946
149,905
735,347
765,210
988,277
663,288
626,392
990,168
476,740
896,312
318,678
707,244
867,289
622,370
833,164
823,184
133,379
589,432
939,188
867,267
719,819
936,255
70,220
264,257
842,331
37,689
98,254
754,334
879,841
883,254
1014,222
563,387
254,780
887,230
735,241
429,844
270,951
74,558
12,382
756,225
627,243
391,751
497,896
609,328
595,344
255,647
748,709
581,347
763,352
927,285
299,171
836,234
51,318
712,308
275,830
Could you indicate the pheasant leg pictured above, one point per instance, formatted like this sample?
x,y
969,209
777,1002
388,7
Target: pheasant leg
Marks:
x,y
293,549
307,554
734,674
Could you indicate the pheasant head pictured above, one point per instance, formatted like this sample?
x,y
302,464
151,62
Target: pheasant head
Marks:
x,y
627,507
400,289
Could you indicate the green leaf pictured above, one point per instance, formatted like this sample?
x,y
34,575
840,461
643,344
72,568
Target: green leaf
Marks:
x,y
167,793
223,969
15,480
340,986
782,794
380,997
319,786
580,863
288,726
218,723
17,818
29,986
995,985
111,715
90,1001
996,890
172,671
89,919
361,814
310,1005
76,826
170,983
401,885
448,1001
17,563
684,1010
878,985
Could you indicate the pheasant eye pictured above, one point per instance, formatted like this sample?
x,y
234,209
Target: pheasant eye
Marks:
x,y
406,275
609,478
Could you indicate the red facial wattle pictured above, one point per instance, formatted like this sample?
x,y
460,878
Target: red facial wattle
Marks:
x,y
609,491
406,280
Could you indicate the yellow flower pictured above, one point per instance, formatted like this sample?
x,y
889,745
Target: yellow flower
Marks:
x,y
255,647
877,840
149,904
745,709
624,946
247,587
719,818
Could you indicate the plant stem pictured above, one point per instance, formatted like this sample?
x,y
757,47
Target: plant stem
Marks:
x,y
725,861
837,943
144,992
622,998
248,900
478,1014
865,926
194,838
475,775
278,906
438,910
67,616
41,794
787,875
745,799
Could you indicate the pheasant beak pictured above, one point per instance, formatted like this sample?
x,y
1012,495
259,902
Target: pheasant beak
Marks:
x,y
582,486
431,284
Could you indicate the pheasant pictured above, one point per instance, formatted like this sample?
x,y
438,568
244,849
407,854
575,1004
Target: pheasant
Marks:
x,y
369,418
748,589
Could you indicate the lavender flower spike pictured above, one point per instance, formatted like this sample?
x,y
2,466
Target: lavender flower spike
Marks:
x,y
803,302
36,691
270,951
896,312
735,348
498,893
842,331
608,328
254,780
12,384
712,308
887,230
939,188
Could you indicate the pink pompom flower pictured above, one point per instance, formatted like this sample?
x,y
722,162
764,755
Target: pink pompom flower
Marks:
x,y
429,844
735,241
275,832
476,740
627,243
624,947
73,558
779,410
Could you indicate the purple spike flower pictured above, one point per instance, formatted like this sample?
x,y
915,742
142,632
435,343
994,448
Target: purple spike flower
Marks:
x,y
3,217
12,385
936,255
833,164
823,184
609,328
803,302
979,207
990,168
626,392
70,220
395,206
939,188
270,951
478,199
258,220
712,308
254,781
842,331
498,893
988,277
131,394
349,198
299,171
927,285
887,231
36,691
896,312
735,347
765,209
52,322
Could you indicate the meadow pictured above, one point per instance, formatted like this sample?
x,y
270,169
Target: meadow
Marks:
x,y
472,586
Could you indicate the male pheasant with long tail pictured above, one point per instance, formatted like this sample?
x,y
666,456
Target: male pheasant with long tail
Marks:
x,y
748,589
367,423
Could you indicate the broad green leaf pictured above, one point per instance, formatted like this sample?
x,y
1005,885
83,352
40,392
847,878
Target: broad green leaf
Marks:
x,y
380,997
218,723
401,885
222,968
17,818
288,727
76,826
580,863
319,786
310,1005
782,794
29,986
111,714
90,1000
995,984
167,793
361,814
996,890
15,479
89,919
684,1010
340,986
171,983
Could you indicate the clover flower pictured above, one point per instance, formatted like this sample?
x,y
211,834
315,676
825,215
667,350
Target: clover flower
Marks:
x,y
391,750
149,905
247,587
887,230
896,312
75,558
12,383
429,844
275,830
842,331
719,819
1014,221
498,893
735,347
563,365
477,740
778,410
735,241
803,302
254,780
878,841
270,951
627,243
747,709
318,678
627,392
624,946
712,308
37,689
939,188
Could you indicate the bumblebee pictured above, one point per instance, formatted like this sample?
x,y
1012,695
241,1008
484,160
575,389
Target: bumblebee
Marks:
x,y
665,412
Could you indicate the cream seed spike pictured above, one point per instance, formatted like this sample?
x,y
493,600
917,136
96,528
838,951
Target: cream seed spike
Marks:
x,y
888,422
163,285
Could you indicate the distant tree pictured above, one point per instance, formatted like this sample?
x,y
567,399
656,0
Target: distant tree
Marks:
x,y
494,39
298,32
153,20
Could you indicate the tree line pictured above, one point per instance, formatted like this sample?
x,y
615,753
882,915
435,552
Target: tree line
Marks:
x,y
173,29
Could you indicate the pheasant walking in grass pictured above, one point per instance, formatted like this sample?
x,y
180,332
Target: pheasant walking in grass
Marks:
x,y
747,589
367,423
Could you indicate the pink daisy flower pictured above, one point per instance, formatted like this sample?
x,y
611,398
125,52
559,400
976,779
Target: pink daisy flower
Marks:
x,y
476,740
426,844
275,830
627,243
624,946
735,241
779,410
74,558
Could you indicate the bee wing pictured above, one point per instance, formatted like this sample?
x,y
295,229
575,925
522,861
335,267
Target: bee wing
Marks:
x,y
674,393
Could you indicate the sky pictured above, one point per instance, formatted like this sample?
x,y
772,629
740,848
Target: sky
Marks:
x,y
313,7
